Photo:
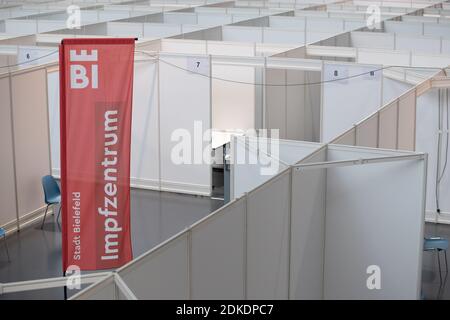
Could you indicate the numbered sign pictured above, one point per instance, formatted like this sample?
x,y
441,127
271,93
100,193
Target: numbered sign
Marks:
x,y
198,65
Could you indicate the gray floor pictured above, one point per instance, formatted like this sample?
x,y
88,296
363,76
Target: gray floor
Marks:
x,y
155,216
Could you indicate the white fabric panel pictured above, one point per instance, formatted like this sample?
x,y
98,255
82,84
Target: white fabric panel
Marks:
x,y
182,111
17,27
145,130
418,44
372,40
230,48
104,290
436,30
53,114
342,104
272,35
308,231
394,58
46,26
190,47
245,34
367,132
317,36
125,29
7,191
445,46
392,89
362,231
427,141
287,22
233,103
217,261
324,24
213,19
268,238
180,17
186,28
437,61
160,30
353,24
112,15
275,101
247,175
31,140
407,122
348,138
162,274
403,27
387,134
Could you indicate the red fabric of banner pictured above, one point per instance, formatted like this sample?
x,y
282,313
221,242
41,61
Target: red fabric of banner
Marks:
x,y
96,88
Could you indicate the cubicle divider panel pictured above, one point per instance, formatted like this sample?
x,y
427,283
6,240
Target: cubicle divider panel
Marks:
x,y
161,30
427,134
145,139
407,121
369,239
53,119
8,211
392,89
162,273
268,225
249,166
31,137
185,123
342,103
102,290
125,29
307,234
275,101
348,138
242,34
367,132
233,99
217,261
387,129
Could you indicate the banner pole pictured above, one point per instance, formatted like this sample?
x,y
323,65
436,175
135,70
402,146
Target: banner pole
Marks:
x,y
65,286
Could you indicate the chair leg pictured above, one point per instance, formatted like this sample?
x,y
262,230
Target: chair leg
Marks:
x,y
45,215
439,264
59,213
446,263
6,247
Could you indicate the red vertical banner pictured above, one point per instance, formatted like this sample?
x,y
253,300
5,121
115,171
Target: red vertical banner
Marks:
x,y
96,88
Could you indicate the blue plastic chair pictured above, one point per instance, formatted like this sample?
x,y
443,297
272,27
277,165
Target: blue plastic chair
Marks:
x,y
437,244
52,195
3,234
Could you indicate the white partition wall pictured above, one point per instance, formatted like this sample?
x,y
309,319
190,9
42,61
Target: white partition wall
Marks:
x,y
145,166
363,231
188,112
309,232
308,221
161,273
217,261
291,105
7,182
253,162
343,103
